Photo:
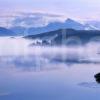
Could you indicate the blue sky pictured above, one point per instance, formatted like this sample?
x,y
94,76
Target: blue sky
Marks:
x,y
75,8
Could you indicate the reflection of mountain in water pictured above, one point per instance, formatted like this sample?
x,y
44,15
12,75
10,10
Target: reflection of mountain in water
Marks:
x,y
46,60
27,63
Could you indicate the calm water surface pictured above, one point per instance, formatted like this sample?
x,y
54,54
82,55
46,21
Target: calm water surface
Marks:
x,y
47,73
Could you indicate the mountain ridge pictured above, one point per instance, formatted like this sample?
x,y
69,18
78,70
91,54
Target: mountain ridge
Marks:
x,y
69,23
57,36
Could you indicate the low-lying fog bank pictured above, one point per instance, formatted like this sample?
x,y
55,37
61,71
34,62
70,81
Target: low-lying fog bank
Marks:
x,y
48,72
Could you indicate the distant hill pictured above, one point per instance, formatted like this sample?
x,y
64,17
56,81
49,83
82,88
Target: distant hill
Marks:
x,y
6,32
18,30
67,35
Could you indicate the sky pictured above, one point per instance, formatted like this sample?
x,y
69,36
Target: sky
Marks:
x,y
82,9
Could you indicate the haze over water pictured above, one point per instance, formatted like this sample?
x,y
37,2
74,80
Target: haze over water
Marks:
x,y
47,73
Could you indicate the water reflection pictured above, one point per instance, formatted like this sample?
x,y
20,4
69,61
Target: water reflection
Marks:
x,y
90,85
47,73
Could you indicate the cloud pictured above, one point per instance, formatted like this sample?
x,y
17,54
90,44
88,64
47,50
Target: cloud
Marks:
x,y
84,8
35,19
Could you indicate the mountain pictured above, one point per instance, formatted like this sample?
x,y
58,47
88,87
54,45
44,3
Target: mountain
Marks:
x,y
69,23
78,26
67,36
18,30
51,26
35,23
6,32
95,24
